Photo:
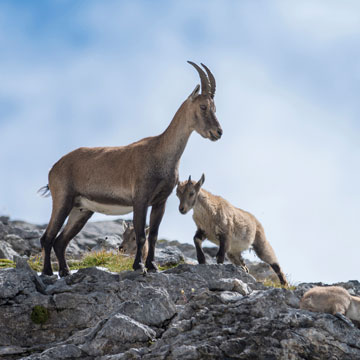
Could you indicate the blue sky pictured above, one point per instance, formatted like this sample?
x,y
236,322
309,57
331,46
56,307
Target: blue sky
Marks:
x,y
93,73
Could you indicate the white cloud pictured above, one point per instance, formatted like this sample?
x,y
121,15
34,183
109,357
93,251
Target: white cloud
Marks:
x,y
288,153
324,23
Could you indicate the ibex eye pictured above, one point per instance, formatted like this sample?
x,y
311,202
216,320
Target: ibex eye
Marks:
x,y
203,107
192,193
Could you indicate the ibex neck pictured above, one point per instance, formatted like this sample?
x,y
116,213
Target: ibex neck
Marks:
x,y
203,201
174,139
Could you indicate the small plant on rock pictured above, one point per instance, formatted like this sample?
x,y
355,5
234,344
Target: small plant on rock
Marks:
x,y
39,315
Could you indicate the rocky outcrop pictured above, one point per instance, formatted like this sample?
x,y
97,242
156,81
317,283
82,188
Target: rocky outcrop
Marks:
x,y
23,238
19,238
188,312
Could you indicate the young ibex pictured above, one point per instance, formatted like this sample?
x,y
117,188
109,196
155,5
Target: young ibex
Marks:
x,y
332,300
128,245
119,180
233,229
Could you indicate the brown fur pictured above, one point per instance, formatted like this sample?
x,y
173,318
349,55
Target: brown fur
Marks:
x,y
118,180
332,300
233,229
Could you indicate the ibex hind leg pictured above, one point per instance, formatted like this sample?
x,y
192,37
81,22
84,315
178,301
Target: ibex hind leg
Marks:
x,y
157,213
60,211
265,252
238,260
76,221
223,248
140,211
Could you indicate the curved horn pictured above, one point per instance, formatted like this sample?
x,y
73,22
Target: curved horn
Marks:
x,y
205,85
211,79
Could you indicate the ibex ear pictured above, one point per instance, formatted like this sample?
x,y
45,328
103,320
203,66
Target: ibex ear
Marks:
x,y
200,182
195,93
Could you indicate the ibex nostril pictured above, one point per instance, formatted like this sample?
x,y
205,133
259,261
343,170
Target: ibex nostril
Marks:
x,y
220,132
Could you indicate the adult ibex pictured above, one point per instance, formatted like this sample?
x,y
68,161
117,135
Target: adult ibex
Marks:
x,y
233,229
119,180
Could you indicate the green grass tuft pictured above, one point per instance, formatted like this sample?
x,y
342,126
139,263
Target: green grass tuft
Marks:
x,y
276,284
36,263
170,266
39,315
6,263
114,262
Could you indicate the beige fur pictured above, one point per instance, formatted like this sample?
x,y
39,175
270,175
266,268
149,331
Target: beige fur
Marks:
x,y
220,222
332,300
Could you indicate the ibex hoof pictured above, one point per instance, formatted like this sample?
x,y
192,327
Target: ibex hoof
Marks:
x,y
152,267
245,268
64,272
139,268
47,272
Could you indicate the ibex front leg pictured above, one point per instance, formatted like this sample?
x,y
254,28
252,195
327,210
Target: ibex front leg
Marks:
x,y
224,247
198,239
157,213
140,212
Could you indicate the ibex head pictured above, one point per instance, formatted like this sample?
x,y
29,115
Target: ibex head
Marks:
x,y
203,106
128,246
187,192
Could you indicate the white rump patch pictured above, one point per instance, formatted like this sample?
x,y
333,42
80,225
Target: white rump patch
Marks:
x,y
106,209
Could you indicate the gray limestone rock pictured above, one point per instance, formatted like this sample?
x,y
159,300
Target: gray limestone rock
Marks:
x,y
168,256
187,312
6,251
118,333
194,312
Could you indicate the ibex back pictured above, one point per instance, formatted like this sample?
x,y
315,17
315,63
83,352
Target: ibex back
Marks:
x,y
118,180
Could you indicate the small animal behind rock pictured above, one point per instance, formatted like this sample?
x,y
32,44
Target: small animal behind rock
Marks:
x,y
128,245
333,300
232,229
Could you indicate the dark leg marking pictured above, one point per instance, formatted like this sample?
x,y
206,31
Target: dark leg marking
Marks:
x,y
140,211
279,273
198,240
76,221
157,213
58,216
224,247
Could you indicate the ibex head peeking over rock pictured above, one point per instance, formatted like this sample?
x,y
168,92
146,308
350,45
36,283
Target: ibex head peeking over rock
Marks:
x,y
128,245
